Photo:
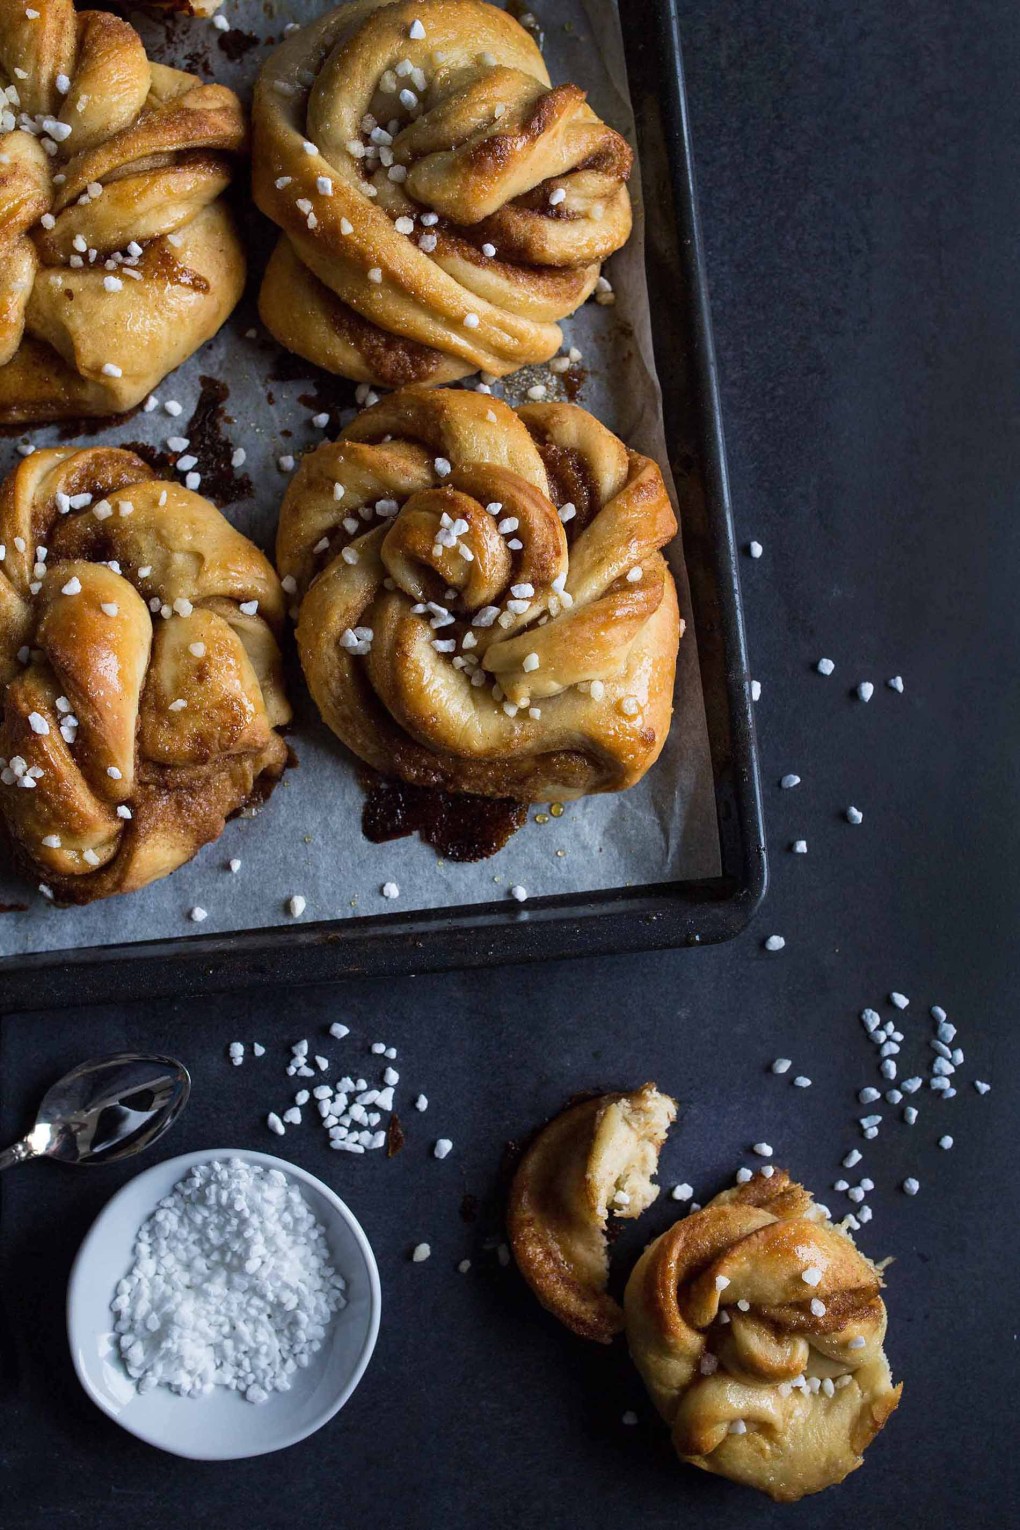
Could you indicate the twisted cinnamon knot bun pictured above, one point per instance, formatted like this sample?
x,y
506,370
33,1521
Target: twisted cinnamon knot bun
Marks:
x,y
483,603
118,258
757,1327
594,1160
442,205
140,673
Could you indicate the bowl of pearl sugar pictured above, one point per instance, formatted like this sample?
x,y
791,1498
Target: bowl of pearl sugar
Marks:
x,y
223,1304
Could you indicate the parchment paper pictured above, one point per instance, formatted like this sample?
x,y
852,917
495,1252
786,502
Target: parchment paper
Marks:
x,y
308,838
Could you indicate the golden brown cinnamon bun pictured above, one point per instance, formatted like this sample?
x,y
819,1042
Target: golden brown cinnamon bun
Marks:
x,y
139,671
441,204
757,1327
594,1160
483,603
118,257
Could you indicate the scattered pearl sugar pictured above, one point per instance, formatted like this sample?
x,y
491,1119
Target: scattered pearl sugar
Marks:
x,y
442,1148
420,1253
775,943
231,1285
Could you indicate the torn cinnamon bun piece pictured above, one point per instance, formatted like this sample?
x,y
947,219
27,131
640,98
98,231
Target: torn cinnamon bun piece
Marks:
x,y
594,1160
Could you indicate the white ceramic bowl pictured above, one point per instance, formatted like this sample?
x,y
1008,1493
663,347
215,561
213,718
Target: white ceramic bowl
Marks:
x,y
220,1426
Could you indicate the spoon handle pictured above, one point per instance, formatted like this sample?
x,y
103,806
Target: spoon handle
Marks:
x,y
18,1153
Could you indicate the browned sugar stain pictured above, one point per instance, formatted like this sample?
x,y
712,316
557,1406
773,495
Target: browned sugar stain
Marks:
x,y
573,380
235,43
394,1136
461,826
207,440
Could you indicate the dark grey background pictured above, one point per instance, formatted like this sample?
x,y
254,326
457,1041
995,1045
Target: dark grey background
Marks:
x,y
858,190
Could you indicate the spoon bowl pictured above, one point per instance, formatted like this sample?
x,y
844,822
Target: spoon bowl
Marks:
x,y
105,1109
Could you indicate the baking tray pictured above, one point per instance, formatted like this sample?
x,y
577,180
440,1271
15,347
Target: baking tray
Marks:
x,y
669,914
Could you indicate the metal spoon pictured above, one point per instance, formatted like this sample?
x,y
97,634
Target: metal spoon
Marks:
x,y
105,1109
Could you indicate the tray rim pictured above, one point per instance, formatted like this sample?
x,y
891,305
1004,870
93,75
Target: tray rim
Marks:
x,y
660,916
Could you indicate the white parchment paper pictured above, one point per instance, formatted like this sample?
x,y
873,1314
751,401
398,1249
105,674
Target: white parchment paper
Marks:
x,y
308,839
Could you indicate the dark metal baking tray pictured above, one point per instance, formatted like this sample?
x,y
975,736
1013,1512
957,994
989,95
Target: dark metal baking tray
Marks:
x,y
592,924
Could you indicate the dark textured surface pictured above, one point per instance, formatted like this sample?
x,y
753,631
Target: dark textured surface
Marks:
x,y
859,215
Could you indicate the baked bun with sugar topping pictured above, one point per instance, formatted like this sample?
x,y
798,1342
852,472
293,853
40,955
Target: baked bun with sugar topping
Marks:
x,y
140,677
441,204
118,257
758,1326
594,1160
483,603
